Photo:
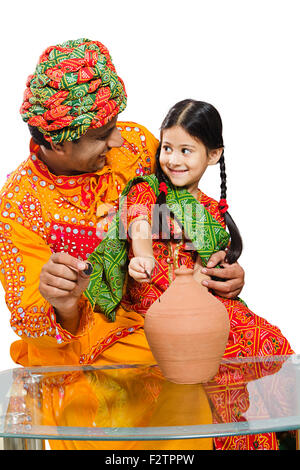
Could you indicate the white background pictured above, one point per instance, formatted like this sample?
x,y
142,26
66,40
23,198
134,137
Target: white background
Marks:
x,y
240,55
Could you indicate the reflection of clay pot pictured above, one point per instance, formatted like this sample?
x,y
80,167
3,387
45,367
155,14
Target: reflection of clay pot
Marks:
x,y
187,330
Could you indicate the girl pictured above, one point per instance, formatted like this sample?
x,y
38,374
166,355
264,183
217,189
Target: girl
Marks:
x,y
163,217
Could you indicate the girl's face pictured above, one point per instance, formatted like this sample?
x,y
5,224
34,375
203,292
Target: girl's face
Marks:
x,y
184,159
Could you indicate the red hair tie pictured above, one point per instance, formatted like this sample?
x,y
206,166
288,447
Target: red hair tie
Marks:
x,y
223,206
163,188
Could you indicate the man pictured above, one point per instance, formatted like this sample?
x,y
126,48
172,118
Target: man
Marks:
x,y
56,206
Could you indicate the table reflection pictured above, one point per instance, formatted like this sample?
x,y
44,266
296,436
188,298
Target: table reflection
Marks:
x,y
104,401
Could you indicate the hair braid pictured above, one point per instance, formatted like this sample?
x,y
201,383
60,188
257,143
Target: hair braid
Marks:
x,y
223,176
159,220
236,244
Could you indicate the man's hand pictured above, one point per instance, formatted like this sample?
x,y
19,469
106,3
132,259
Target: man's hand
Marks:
x,y
62,282
233,273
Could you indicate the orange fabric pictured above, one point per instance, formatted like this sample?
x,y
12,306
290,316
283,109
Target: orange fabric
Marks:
x,y
41,213
124,398
121,397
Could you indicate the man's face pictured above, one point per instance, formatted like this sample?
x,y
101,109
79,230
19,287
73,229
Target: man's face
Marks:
x,y
86,156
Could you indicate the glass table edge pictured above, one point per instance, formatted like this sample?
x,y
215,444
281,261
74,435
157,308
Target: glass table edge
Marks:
x,y
294,358
159,433
191,432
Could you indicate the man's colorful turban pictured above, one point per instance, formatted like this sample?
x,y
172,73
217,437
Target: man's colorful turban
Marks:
x,y
75,87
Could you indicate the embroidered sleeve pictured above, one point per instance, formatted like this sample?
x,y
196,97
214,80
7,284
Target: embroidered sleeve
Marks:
x,y
139,204
23,252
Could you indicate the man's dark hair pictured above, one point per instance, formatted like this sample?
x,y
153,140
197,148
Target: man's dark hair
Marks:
x,y
39,138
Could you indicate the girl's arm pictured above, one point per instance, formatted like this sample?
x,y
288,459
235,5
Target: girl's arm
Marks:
x,y
139,206
142,265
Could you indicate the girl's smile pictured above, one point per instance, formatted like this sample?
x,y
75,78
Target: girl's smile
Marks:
x,y
175,172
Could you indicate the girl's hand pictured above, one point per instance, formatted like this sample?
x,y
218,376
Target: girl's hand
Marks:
x,y
233,275
139,266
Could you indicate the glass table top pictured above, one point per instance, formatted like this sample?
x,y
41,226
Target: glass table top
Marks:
x,y
135,402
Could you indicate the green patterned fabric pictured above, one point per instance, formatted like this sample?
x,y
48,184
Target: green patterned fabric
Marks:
x,y
74,87
109,259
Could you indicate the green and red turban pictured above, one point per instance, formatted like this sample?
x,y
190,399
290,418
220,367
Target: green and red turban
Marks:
x,y
75,87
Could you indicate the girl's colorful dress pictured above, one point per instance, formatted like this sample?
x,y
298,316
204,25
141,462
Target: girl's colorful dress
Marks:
x,y
250,335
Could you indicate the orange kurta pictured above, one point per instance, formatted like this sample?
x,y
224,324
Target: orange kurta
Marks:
x,y
41,213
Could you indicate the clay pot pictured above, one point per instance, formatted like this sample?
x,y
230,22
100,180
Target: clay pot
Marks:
x,y
187,330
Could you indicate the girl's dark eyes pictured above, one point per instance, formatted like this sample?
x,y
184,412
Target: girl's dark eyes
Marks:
x,y
185,151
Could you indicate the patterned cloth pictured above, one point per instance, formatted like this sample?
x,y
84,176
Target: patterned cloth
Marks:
x,y
229,399
109,259
41,213
250,335
74,87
